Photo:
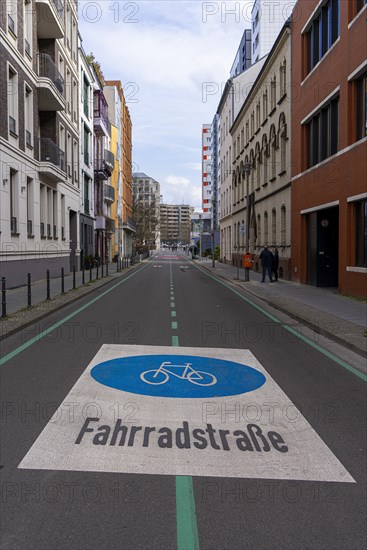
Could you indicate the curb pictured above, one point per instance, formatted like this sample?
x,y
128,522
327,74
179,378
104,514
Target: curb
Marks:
x,y
362,351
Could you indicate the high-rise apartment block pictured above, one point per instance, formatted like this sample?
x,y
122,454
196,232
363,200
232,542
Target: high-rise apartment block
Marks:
x,y
206,163
243,58
175,223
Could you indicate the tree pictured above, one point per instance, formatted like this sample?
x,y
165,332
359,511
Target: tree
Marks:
x,y
147,221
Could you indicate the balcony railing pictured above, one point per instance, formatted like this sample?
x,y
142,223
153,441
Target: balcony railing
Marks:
x,y
129,224
50,152
48,69
109,160
108,193
100,112
110,225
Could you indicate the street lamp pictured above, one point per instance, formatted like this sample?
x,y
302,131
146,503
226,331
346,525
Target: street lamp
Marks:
x,y
245,174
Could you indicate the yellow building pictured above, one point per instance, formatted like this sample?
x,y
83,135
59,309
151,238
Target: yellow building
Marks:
x,y
116,184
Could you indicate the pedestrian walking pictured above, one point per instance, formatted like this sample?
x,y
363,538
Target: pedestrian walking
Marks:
x,y
266,258
275,265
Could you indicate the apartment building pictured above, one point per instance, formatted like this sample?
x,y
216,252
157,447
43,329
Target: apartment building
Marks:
x,y
39,138
232,99
329,136
104,165
86,164
261,179
243,58
175,223
127,227
267,20
146,210
207,164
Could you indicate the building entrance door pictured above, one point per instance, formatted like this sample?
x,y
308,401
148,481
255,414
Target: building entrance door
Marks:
x,y
323,247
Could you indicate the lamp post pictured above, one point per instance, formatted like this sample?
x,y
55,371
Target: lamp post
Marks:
x,y
245,174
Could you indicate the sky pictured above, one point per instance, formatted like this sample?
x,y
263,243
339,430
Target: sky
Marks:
x,y
173,59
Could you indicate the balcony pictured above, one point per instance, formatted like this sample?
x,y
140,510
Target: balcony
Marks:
x,y
103,168
52,160
110,225
129,225
102,125
50,15
50,85
108,193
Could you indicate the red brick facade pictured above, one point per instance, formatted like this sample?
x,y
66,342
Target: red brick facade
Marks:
x,y
336,184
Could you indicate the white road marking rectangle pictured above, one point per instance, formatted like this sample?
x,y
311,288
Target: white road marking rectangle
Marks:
x,y
256,434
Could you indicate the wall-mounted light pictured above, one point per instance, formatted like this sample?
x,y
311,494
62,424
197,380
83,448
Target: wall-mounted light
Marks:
x,y
5,181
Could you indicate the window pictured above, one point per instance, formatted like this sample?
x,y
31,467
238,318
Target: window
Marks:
x,y
282,79
361,233
54,214
322,133
13,101
12,12
69,159
258,228
283,226
273,93
68,90
247,132
75,162
323,32
252,120
28,115
28,27
274,227
242,138
360,4
258,115
42,209
361,110
14,200
265,105
30,203
266,234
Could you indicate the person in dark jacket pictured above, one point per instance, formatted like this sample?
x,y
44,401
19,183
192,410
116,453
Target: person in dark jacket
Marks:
x,y
275,265
266,258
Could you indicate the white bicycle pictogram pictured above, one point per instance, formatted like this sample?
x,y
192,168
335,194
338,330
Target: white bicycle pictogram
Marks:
x,y
162,375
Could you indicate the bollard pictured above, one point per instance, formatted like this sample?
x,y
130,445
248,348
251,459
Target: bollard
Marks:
x,y
74,285
3,297
29,294
48,284
62,281
106,269
83,277
90,274
97,272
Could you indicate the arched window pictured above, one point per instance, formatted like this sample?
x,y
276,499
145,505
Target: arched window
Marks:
x,y
274,227
266,234
258,165
283,226
272,145
252,162
242,138
258,230
265,158
283,141
243,236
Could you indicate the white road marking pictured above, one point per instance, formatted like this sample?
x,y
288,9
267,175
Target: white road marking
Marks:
x,y
259,434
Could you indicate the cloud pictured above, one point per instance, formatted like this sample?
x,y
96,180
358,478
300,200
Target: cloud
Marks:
x,y
180,190
164,61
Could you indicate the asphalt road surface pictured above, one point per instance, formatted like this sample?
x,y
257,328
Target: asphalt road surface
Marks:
x,y
170,410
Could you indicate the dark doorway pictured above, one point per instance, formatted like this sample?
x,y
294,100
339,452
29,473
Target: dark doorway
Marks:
x,y
323,247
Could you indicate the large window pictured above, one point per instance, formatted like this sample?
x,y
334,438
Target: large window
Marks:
x,y
322,133
324,30
361,110
361,233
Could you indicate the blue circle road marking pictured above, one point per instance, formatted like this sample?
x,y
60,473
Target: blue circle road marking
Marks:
x,y
184,376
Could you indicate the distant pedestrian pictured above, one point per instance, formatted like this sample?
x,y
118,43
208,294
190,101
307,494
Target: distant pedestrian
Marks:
x,y
275,265
266,258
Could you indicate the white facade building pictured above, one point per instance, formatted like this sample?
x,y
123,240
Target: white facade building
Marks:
x,y
86,163
206,163
267,18
233,97
146,209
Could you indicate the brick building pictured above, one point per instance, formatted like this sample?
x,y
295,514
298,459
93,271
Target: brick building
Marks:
x,y
329,144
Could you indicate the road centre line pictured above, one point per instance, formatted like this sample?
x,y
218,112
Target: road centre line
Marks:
x,y
186,524
44,333
325,352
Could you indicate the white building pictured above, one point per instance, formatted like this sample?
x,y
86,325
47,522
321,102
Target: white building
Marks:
x,y
206,164
39,140
146,209
267,18
86,163
233,97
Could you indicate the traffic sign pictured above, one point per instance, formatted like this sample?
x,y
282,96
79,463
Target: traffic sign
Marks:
x,y
182,411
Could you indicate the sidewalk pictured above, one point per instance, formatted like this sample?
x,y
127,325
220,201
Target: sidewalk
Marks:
x,y
324,310
20,316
